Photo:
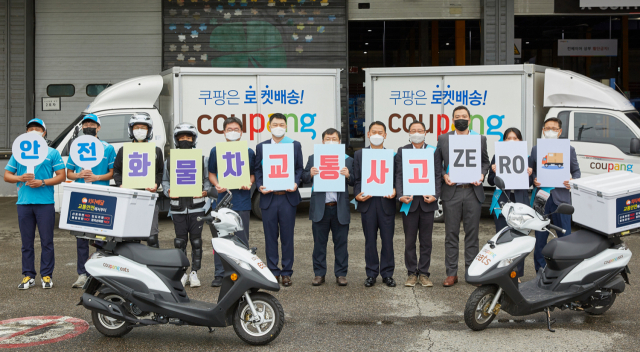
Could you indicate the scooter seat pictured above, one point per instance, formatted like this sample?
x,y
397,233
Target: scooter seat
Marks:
x,y
143,254
581,244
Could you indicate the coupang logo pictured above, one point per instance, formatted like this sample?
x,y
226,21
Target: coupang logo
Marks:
x,y
257,123
478,123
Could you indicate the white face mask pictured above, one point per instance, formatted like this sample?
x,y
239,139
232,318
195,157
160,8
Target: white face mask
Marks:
x,y
331,142
140,135
550,134
376,139
232,136
278,132
417,138
41,134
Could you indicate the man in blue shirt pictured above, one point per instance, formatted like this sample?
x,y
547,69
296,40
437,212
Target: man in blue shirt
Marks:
x,y
98,175
36,206
232,127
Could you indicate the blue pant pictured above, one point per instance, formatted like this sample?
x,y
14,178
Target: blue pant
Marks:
x,y
339,233
278,220
43,215
82,248
375,219
560,220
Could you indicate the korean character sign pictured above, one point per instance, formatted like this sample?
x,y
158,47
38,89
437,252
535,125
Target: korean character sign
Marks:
x,y
30,150
233,164
86,152
464,158
329,159
377,172
138,165
277,166
185,173
418,173
512,164
553,162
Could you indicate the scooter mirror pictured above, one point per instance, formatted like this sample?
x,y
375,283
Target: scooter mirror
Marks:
x,y
212,193
499,183
565,208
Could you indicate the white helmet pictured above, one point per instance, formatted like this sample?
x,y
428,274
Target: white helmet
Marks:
x,y
141,118
185,128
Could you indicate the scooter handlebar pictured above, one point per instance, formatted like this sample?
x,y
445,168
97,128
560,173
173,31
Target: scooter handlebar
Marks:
x,y
207,218
557,228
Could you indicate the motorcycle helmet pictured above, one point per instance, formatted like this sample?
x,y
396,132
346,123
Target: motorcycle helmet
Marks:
x,y
185,128
141,118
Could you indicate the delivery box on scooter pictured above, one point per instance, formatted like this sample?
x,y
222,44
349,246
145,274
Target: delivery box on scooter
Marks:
x,y
608,203
107,211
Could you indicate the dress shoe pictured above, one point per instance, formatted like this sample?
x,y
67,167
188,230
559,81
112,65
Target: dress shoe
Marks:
x,y
450,281
286,281
317,281
278,278
217,282
369,281
341,280
389,281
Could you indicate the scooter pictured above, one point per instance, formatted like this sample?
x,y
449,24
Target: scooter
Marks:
x,y
132,285
585,271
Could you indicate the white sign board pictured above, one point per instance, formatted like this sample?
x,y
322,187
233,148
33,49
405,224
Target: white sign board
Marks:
x,y
512,164
30,150
51,104
465,157
587,47
553,162
86,152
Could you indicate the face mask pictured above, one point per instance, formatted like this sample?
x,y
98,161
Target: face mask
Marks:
x,y
90,131
232,136
39,133
376,139
278,132
461,124
550,134
140,135
416,138
185,144
331,142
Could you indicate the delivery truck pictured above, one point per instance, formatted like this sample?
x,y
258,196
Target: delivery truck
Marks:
x,y
553,159
601,123
205,97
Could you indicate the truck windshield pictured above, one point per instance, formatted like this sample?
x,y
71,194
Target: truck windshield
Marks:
x,y
634,116
56,142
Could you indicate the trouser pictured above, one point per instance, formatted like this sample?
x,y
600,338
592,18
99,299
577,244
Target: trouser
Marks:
x,y
418,225
560,220
44,216
463,206
375,219
243,235
279,220
187,228
153,236
340,235
82,250
501,223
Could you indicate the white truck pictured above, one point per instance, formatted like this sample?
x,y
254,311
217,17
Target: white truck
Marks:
x,y
601,124
205,97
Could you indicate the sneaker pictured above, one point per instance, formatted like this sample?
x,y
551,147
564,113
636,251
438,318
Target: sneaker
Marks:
x,y
217,282
424,281
184,280
193,279
46,282
82,279
411,280
27,282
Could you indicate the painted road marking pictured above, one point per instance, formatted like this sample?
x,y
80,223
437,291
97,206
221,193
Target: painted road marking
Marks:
x,y
40,330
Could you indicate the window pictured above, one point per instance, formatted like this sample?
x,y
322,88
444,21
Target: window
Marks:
x,y
95,89
600,128
564,117
114,128
61,90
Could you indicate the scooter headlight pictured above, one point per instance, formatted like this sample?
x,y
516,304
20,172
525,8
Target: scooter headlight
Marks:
x,y
244,265
517,220
507,261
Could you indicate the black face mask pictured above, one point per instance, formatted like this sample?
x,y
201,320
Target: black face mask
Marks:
x,y
90,131
461,124
185,144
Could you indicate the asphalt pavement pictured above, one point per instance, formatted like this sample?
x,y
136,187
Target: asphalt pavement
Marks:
x,y
328,317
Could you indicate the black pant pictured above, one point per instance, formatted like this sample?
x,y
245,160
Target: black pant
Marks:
x,y
418,225
373,219
340,235
501,223
187,225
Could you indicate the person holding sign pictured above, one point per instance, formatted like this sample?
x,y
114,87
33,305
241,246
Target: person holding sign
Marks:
x,y
518,195
417,212
234,165
279,205
100,174
32,166
461,201
186,210
141,131
552,129
378,213
330,211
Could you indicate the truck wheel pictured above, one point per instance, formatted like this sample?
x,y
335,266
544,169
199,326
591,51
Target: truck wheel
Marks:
x,y
546,165
438,215
255,205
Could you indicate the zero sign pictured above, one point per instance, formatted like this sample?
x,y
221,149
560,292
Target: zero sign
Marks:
x,y
39,330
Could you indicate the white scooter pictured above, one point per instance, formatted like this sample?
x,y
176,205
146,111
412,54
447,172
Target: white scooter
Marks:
x,y
585,270
132,285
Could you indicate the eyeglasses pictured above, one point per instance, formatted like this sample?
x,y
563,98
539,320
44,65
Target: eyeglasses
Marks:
x,y
554,129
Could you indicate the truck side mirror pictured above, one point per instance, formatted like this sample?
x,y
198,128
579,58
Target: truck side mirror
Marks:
x,y
634,147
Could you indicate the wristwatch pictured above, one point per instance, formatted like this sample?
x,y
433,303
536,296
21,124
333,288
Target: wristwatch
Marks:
x,y
43,184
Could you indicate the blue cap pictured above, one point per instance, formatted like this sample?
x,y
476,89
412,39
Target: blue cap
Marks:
x,y
91,117
39,122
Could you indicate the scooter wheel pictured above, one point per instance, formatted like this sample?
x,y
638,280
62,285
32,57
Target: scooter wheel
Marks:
x,y
271,314
475,312
109,326
597,310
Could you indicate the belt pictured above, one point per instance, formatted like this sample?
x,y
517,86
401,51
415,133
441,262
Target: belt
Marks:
x,y
331,204
468,185
280,193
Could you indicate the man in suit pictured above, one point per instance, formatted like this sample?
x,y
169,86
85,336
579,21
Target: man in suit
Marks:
x,y
552,129
419,218
377,213
279,207
330,211
460,202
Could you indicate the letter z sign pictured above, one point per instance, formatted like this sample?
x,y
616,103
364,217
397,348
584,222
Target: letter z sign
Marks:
x,y
464,158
